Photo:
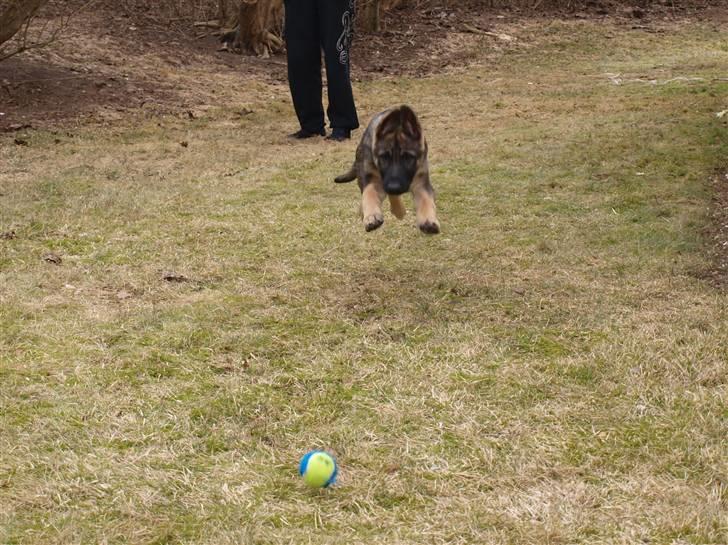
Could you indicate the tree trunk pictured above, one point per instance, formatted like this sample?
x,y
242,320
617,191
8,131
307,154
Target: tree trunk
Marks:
x,y
370,15
256,21
250,24
15,14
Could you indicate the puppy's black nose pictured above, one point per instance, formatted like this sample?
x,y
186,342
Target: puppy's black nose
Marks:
x,y
395,188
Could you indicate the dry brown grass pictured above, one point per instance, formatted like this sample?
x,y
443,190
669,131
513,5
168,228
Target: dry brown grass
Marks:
x,y
548,370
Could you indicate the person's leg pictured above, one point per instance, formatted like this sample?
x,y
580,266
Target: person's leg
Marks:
x,y
336,24
304,63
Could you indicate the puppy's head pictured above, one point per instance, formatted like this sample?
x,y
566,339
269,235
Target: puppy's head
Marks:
x,y
399,149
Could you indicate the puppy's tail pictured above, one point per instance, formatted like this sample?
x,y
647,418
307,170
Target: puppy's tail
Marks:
x,y
349,176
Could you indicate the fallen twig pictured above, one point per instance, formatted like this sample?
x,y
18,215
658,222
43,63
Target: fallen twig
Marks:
x,y
207,24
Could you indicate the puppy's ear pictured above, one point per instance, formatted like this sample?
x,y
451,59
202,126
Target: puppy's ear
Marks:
x,y
410,124
389,125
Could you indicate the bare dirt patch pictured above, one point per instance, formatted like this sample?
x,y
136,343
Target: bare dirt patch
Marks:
x,y
718,231
36,93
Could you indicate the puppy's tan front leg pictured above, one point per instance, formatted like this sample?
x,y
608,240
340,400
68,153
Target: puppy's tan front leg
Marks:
x,y
371,206
397,206
425,208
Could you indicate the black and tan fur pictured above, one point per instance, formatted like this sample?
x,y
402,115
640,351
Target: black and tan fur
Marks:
x,y
391,159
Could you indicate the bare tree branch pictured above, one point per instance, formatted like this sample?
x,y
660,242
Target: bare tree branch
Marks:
x,y
15,14
24,38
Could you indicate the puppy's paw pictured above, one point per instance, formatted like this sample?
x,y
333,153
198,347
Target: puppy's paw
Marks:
x,y
430,227
373,221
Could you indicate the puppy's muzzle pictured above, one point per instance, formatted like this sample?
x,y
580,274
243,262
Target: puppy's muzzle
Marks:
x,y
396,186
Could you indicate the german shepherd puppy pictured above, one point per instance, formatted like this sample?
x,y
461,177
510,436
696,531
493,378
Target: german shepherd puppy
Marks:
x,y
391,159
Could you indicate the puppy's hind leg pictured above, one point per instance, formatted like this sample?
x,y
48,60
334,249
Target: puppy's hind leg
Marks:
x,y
397,206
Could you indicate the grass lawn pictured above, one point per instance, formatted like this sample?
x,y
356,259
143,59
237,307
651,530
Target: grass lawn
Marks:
x,y
550,369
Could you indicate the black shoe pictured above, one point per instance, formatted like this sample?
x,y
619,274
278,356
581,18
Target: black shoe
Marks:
x,y
339,135
303,133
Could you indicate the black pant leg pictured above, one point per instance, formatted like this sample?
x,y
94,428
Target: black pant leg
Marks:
x,y
336,24
304,62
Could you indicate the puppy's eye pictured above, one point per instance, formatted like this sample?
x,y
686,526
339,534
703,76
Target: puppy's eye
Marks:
x,y
385,156
409,156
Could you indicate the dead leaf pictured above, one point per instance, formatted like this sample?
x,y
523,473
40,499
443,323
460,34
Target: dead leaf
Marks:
x,y
174,277
8,235
18,126
52,258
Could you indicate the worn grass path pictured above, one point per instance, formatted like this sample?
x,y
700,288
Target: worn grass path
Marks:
x,y
550,369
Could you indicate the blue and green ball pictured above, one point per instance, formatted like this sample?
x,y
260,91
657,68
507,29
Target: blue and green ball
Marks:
x,y
318,469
